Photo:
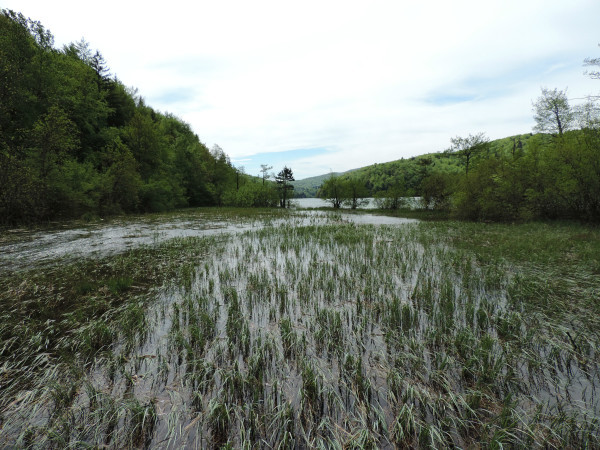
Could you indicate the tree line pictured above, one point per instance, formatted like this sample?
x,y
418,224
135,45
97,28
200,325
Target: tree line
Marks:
x,y
554,173
557,176
75,141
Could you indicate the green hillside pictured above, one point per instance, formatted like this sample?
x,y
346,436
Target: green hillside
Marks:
x,y
76,142
409,172
544,175
308,186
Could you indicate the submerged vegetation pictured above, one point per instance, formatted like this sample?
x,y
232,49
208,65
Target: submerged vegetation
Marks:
x,y
311,334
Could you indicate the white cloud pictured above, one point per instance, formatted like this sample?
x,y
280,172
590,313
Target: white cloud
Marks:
x,y
370,82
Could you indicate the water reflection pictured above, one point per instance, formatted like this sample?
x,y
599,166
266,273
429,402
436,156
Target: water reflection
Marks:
x,y
371,203
23,248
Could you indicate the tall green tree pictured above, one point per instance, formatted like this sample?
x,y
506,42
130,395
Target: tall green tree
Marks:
x,y
393,197
356,193
333,190
436,190
142,136
264,170
18,190
469,147
53,139
121,104
122,182
252,193
552,112
19,106
190,159
284,186
223,175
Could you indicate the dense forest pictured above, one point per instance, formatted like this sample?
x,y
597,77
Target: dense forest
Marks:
x,y
554,173
75,141
406,175
409,172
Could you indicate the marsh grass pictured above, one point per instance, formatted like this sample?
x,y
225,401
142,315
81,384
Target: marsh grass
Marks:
x,y
429,335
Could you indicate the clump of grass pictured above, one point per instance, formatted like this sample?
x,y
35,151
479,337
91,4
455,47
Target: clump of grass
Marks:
x,y
219,420
142,420
118,285
85,287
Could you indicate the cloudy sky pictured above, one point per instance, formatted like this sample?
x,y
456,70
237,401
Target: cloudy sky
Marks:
x,y
334,85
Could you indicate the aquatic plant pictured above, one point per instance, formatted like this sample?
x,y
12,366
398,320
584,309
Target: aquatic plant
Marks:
x,y
311,334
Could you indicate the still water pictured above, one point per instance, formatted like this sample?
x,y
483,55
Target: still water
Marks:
x,y
413,202
22,248
320,203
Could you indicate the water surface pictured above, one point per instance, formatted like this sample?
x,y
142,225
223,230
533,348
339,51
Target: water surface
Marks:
x,y
21,248
413,202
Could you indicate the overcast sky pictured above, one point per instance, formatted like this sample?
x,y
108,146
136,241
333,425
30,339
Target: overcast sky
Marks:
x,y
330,86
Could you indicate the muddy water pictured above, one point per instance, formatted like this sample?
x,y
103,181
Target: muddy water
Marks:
x,y
21,248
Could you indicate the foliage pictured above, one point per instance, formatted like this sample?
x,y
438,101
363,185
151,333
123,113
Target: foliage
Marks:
x,y
469,147
356,192
332,191
264,170
350,192
556,178
253,194
284,186
516,178
394,198
74,140
552,112
408,174
436,190
308,187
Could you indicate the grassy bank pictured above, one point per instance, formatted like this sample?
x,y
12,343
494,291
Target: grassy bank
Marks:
x,y
436,334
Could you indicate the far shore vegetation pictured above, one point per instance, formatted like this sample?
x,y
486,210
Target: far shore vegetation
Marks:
x,y
75,142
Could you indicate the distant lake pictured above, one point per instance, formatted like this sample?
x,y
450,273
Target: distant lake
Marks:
x,y
320,203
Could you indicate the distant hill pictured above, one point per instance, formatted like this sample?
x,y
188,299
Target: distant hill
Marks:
x,y
308,186
410,171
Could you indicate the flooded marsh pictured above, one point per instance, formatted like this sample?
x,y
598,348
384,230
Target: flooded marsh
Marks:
x,y
23,248
309,330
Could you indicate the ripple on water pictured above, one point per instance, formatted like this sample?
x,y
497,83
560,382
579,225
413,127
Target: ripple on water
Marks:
x,y
35,247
